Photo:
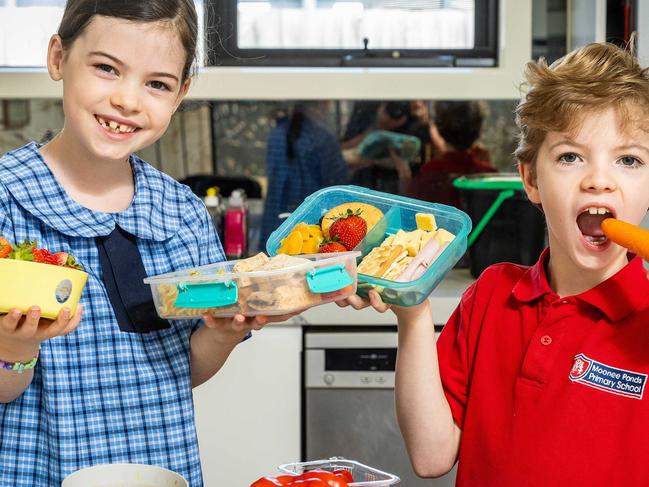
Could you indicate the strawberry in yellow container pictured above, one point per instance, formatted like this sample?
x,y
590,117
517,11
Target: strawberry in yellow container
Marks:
x,y
32,276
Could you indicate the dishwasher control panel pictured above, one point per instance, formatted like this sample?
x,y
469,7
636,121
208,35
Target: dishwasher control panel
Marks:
x,y
351,360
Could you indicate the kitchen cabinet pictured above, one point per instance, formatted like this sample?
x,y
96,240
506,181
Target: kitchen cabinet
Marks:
x,y
248,414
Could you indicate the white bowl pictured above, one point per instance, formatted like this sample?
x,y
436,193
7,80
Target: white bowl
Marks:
x,y
124,475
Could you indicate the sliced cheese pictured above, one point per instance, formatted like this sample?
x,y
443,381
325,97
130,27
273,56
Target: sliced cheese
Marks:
x,y
444,236
413,242
425,238
400,238
426,221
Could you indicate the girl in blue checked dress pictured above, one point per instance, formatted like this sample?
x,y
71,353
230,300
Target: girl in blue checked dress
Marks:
x,y
113,383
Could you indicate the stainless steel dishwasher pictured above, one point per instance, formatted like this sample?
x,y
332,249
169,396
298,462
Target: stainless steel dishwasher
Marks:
x,y
349,401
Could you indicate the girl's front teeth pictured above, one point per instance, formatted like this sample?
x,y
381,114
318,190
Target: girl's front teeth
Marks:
x,y
116,127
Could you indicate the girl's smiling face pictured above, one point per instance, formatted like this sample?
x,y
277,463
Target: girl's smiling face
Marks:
x,y
122,83
582,176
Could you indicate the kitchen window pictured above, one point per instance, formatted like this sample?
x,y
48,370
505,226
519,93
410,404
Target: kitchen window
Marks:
x,y
370,33
27,25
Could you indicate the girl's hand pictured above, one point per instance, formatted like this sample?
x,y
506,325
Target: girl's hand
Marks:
x,y
20,336
233,330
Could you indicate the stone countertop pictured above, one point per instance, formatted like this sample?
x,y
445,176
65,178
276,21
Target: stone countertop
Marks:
x,y
444,299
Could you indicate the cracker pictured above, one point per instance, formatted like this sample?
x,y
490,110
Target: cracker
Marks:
x,y
261,300
397,267
251,263
294,297
283,261
379,260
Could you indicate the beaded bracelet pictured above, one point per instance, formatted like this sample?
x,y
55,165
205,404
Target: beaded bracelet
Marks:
x,y
19,366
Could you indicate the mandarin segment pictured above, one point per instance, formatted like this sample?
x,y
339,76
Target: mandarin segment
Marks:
x,y
292,244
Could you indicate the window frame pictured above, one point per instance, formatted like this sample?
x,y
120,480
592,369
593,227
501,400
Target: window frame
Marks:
x,y
222,49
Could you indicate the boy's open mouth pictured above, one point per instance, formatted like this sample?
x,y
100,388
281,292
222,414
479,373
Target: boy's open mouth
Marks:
x,y
590,224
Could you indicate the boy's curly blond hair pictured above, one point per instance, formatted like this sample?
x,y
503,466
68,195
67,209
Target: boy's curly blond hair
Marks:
x,y
592,78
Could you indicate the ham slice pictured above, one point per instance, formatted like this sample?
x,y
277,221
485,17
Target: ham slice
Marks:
x,y
422,261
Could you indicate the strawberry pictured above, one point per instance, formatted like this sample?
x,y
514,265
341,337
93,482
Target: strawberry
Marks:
x,y
44,256
61,258
349,228
28,251
66,260
331,246
5,247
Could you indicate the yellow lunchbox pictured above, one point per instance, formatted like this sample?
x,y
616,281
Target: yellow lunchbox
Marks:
x,y
24,284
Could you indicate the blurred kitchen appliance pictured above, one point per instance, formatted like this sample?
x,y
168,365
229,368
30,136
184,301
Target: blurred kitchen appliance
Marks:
x,y
226,184
507,227
349,400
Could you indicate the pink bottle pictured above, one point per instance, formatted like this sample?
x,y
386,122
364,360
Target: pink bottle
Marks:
x,y
235,226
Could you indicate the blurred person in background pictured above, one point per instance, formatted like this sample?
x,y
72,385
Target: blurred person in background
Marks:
x,y
457,128
401,117
302,156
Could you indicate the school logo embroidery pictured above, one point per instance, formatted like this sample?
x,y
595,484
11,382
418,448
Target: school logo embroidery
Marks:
x,y
606,378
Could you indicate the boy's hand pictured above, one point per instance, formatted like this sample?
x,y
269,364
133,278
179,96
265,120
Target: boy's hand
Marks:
x,y
233,330
20,336
357,302
402,312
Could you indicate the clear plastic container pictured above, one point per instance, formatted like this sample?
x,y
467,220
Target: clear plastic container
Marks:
x,y
399,213
217,290
363,475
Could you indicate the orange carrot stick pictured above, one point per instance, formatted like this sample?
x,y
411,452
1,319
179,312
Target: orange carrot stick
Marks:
x,y
634,238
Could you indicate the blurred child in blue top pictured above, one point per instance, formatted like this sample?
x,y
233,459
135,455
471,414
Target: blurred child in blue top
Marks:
x,y
302,156
105,390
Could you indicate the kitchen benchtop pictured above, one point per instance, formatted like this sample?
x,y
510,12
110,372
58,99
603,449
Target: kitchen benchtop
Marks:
x,y
444,299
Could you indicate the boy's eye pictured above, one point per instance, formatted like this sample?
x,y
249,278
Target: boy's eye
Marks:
x,y
568,158
630,161
159,85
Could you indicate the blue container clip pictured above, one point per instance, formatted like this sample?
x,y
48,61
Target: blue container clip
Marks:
x,y
207,295
328,279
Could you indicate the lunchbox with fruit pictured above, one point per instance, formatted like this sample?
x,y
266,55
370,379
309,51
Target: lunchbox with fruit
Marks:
x,y
405,246
33,276
258,285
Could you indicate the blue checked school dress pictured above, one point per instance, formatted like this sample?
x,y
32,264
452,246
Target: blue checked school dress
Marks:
x,y
105,393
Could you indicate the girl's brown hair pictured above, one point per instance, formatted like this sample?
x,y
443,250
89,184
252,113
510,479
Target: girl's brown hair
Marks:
x,y
181,14
594,77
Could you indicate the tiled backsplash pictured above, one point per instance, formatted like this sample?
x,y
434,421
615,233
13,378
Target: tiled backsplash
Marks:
x,y
240,128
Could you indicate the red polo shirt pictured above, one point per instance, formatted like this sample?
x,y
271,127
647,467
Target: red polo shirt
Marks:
x,y
549,391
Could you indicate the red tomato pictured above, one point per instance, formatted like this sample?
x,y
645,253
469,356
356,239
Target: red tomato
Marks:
x,y
330,478
314,478
313,482
346,474
265,482
5,248
280,481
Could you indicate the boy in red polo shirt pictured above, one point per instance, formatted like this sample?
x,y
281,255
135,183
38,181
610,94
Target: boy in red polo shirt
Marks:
x,y
540,376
